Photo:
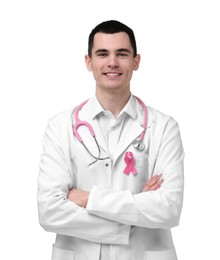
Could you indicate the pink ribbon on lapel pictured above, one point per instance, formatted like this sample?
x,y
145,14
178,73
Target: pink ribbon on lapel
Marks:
x,y
129,160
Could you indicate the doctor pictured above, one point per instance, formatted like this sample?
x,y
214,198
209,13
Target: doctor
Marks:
x,y
111,173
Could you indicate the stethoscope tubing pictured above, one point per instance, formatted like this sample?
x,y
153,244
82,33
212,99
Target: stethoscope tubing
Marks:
x,y
78,123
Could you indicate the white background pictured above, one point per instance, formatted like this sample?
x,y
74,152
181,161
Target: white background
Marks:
x,y
42,72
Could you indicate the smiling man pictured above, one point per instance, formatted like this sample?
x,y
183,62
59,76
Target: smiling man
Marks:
x,y
113,65
111,173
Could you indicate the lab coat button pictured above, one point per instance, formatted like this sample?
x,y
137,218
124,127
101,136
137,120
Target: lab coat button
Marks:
x,y
106,164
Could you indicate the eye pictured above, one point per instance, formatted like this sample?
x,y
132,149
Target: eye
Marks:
x,y
102,54
122,54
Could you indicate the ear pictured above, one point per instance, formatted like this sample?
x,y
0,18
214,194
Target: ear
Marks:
x,y
88,62
137,60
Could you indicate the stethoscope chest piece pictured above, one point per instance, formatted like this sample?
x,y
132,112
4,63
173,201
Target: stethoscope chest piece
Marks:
x,y
138,145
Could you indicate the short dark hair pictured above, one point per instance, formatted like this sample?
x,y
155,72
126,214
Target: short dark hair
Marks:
x,y
110,27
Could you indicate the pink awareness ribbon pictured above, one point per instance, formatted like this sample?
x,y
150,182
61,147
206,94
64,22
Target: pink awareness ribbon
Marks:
x,y
129,160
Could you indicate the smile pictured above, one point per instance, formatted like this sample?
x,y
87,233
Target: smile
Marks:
x,y
112,74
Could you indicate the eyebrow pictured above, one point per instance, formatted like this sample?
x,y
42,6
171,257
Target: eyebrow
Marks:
x,y
101,50
119,50
123,50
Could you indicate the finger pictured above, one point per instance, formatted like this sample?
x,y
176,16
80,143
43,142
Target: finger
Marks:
x,y
158,185
151,182
160,181
153,185
154,180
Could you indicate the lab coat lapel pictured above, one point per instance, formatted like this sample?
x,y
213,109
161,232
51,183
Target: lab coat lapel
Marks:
x,y
132,131
99,136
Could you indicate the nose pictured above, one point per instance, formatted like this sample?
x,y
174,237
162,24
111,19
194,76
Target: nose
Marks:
x,y
112,62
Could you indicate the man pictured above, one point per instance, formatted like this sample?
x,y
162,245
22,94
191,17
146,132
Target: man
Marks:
x,y
117,194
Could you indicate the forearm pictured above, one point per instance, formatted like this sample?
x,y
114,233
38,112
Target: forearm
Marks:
x,y
60,215
152,209
80,197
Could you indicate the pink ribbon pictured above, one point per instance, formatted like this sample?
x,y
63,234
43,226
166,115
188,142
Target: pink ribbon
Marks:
x,y
129,160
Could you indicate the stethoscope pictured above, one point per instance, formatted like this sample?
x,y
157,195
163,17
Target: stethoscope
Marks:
x,y
137,143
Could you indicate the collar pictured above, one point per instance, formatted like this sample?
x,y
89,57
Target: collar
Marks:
x,y
94,108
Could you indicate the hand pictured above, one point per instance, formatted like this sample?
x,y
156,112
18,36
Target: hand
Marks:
x,y
153,184
79,197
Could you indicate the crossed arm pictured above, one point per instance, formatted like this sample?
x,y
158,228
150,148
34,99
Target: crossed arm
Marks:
x,y
83,212
81,197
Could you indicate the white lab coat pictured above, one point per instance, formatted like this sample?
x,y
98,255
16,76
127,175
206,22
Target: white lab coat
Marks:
x,y
136,224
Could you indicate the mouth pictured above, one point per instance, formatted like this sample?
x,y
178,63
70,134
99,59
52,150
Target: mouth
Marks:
x,y
112,74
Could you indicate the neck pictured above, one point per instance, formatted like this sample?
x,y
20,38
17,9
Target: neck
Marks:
x,y
114,102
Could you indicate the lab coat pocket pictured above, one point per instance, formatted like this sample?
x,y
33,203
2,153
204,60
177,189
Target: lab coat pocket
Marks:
x,y
142,167
160,255
62,254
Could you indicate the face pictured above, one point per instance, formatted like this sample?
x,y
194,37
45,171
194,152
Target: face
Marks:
x,y
112,61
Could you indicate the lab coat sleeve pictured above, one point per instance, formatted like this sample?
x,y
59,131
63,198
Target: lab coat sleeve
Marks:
x,y
58,214
152,209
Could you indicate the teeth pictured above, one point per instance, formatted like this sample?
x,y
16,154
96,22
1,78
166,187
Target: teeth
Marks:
x,y
112,74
